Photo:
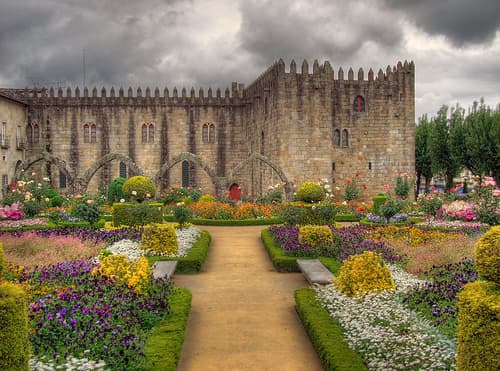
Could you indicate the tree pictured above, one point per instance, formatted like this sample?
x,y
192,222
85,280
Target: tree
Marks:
x,y
442,159
422,153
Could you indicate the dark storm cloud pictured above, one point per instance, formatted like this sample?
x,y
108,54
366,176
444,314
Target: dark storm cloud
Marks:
x,y
313,29
461,21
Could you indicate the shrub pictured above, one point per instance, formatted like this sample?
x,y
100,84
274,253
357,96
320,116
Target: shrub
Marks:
x,y
316,235
211,210
31,208
390,208
126,213
431,204
352,191
206,198
14,343
134,273
303,214
310,192
363,274
403,186
115,193
182,215
478,327
88,211
159,239
378,201
57,201
487,255
139,188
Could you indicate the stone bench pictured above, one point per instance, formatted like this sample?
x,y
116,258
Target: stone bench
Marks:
x,y
314,271
164,268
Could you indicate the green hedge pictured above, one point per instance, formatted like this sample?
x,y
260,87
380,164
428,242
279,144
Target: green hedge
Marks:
x,y
164,345
286,263
346,218
325,334
230,222
128,213
50,225
14,342
193,262
398,224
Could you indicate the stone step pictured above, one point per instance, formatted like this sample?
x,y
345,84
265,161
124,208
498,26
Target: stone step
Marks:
x,y
314,271
164,269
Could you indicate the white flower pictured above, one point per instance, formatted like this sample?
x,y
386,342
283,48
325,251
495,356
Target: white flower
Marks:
x,y
122,200
47,199
45,179
148,195
134,193
33,174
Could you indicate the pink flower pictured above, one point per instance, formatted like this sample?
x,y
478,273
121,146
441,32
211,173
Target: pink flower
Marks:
x,y
496,192
386,187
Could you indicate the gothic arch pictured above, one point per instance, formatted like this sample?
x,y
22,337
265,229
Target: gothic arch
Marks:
x,y
45,156
182,157
84,180
257,156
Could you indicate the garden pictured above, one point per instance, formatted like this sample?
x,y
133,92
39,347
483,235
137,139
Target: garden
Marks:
x,y
76,271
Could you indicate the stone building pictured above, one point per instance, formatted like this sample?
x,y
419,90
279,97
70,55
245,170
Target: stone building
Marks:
x,y
290,125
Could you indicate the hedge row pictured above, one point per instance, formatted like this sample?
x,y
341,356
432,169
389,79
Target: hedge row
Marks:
x,y
325,334
50,225
164,345
230,222
286,263
193,262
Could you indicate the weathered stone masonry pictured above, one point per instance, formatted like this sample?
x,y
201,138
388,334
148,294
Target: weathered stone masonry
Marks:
x,y
289,126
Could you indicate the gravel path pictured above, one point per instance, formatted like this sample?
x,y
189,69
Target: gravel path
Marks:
x,y
243,315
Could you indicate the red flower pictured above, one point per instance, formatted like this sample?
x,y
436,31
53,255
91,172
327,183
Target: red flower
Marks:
x,y
361,209
365,187
348,181
357,174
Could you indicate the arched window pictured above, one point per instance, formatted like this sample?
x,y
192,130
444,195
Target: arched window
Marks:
x,y
123,170
29,133
151,133
336,137
36,133
266,108
86,133
144,133
62,180
204,133
345,138
359,104
185,174
211,133
93,133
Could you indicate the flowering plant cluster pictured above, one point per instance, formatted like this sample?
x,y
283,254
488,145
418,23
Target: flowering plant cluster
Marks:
x,y
222,210
403,186
486,199
133,273
459,210
12,212
352,190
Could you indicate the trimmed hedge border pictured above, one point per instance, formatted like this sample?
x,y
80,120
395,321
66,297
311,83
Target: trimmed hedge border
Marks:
x,y
193,262
346,218
50,225
164,345
325,334
397,224
286,263
230,222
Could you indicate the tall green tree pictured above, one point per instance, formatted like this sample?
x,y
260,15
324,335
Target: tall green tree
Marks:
x,y
481,153
423,163
442,159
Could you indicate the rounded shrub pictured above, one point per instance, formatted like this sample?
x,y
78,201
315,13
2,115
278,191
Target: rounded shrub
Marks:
x,y
487,255
115,193
363,274
57,201
31,208
316,235
378,200
310,192
139,188
182,215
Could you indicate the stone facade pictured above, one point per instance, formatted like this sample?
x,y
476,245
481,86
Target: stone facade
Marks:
x,y
287,126
12,139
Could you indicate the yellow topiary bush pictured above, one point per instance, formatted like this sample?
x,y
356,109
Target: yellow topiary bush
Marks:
x,y
310,192
478,326
160,239
363,274
487,255
139,188
134,273
315,235
14,342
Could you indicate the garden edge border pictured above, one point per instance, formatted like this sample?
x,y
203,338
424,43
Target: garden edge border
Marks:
x,y
164,345
325,334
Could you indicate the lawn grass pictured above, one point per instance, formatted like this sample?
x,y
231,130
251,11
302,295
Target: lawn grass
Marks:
x,y
325,334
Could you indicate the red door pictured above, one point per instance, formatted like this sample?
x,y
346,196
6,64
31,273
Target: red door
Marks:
x,y
235,192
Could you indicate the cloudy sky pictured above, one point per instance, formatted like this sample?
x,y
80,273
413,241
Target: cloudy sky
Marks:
x,y
455,43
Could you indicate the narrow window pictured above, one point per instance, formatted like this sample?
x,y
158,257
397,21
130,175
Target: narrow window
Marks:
x,y
19,139
62,180
266,110
86,133
359,104
144,133
185,174
204,133
333,166
369,166
29,133
336,137
151,133
123,170
262,143
36,133
5,179
345,138
211,133
93,133
3,134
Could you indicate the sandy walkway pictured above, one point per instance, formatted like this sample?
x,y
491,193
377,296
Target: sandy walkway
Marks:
x,y
243,315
